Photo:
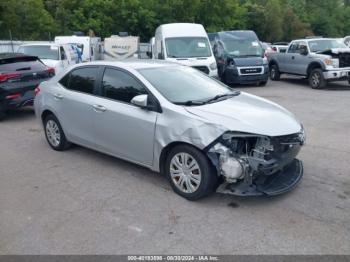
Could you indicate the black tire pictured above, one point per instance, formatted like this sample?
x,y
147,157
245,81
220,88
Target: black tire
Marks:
x,y
63,143
316,79
223,78
262,83
209,178
275,74
2,115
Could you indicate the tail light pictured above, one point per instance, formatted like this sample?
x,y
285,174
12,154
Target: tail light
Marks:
x,y
51,71
6,76
13,96
36,90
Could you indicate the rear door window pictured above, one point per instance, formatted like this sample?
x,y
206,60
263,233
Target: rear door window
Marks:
x,y
120,86
81,80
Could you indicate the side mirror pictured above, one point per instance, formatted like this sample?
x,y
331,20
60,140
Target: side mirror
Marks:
x,y
149,54
140,100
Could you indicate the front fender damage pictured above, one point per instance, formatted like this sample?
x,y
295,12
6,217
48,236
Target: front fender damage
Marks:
x,y
254,165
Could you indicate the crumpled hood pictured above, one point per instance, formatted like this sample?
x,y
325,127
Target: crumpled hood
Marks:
x,y
248,61
335,51
250,114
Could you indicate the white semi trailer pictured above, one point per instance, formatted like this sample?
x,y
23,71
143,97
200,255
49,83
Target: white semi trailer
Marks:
x,y
121,47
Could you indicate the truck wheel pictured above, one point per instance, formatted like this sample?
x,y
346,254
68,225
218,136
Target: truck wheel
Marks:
x,y
190,172
275,73
316,79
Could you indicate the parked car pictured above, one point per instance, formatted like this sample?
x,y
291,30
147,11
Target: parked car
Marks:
x,y
346,40
240,58
211,37
319,59
57,56
19,76
186,44
175,120
280,47
267,48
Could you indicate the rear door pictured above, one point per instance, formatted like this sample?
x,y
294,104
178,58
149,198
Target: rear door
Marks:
x,y
74,104
121,128
64,57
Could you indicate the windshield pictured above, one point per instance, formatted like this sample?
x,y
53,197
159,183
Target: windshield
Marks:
x,y
243,47
325,44
180,84
41,51
184,47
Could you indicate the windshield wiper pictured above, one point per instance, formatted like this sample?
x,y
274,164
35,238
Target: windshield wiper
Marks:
x,y
217,97
190,103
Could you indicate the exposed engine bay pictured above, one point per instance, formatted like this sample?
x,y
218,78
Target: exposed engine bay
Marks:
x,y
343,54
256,165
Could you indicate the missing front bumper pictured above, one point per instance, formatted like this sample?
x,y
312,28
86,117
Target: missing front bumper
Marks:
x,y
276,184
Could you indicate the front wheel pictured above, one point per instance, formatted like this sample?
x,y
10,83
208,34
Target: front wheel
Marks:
x,y
190,173
316,79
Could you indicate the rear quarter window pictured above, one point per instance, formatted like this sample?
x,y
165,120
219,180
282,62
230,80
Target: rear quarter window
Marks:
x,y
81,80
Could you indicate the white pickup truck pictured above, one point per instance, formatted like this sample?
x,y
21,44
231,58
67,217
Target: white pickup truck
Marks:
x,y
319,59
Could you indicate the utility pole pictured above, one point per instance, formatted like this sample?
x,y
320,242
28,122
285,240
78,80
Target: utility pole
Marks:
x,y
10,33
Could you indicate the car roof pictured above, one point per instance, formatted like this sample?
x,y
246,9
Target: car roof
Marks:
x,y
41,44
181,30
313,39
133,63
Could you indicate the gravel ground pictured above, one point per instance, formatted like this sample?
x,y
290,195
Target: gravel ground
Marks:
x,y
84,202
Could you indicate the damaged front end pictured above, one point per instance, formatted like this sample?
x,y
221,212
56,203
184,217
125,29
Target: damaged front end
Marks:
x,y
253,165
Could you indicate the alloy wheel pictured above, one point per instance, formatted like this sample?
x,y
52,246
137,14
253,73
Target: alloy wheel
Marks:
x,y
315,78
53,133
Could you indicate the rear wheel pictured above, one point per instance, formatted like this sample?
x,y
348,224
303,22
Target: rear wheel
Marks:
x,y
54,134
190,173
316,79
275,73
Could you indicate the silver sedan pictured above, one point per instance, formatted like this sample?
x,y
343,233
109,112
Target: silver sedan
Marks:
x,y
173,119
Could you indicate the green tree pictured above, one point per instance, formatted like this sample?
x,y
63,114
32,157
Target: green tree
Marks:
x,y
26,19
274,21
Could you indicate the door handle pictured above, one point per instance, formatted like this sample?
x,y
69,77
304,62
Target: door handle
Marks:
x,y
293,57
58,96
99,108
